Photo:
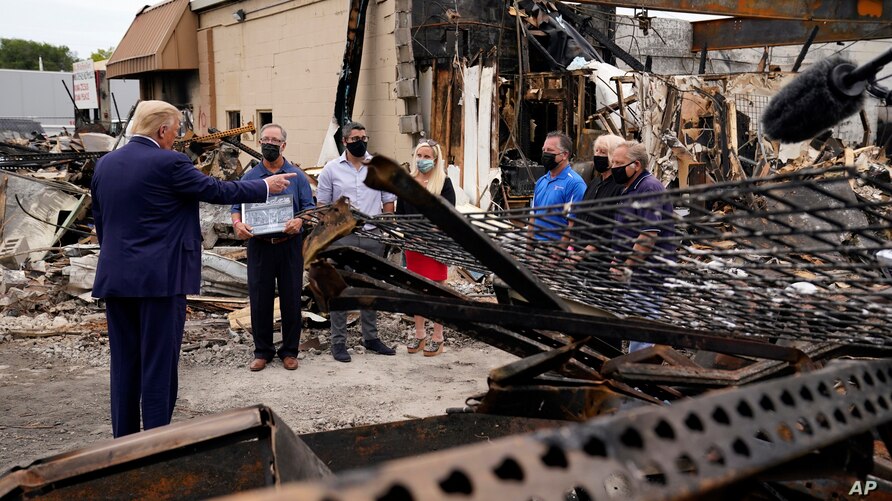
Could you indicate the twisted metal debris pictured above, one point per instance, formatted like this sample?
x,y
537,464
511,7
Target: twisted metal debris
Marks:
x,y
796,256
678,452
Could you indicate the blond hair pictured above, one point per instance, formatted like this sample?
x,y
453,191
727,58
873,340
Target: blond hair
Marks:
x,y
438,176
610,141
151,115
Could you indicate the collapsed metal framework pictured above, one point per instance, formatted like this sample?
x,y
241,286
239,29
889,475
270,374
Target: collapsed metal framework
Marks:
x,y
798,256
14,157
810,433
776,274
691,447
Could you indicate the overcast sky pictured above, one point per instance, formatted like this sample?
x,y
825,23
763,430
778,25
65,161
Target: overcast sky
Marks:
x,y
82,25
87,25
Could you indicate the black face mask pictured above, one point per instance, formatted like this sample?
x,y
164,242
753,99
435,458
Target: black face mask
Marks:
x,y
602,165
358,148
619,173
548,161
270,152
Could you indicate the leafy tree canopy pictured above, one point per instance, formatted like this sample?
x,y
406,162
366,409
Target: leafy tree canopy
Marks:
x,y
18,54
102,54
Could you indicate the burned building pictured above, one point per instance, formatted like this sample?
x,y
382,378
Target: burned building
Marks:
x,y
774,287
486,79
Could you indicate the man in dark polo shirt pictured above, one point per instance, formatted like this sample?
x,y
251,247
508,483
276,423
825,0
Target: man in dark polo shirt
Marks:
x,y
644,237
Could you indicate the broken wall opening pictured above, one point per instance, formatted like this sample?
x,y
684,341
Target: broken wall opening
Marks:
x,y
69,237
538,119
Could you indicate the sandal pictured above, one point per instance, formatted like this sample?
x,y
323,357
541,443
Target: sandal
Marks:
x,y
433,348
416,344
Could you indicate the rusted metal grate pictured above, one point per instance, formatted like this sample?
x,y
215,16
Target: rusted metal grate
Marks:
x,y
690,448
796,256
751,105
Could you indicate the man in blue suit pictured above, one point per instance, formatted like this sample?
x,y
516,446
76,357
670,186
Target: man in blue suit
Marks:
x,y
145,205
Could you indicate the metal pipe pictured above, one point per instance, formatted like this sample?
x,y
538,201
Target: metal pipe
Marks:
x,y
805,47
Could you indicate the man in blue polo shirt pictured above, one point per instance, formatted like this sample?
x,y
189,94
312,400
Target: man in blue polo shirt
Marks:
x,y
560,185
275,259
644,236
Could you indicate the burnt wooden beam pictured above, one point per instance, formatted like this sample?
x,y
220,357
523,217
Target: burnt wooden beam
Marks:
x,y
703,52
870,11
349,79
610,108
743,33
555,64
585,26
4,182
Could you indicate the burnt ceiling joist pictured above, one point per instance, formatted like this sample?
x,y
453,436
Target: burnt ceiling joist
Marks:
x,y
870,11
742,33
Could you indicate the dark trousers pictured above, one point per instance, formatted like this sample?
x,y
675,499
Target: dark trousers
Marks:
x,y
368,318
144,337
270,264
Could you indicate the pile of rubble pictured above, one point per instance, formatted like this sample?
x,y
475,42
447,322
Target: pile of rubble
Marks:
x,y
51,296
48,248
76,340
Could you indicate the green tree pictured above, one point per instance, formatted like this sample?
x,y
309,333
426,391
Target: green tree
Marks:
x,y
18,54
102,54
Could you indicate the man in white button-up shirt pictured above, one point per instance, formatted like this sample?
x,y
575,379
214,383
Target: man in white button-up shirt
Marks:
x,y
345,176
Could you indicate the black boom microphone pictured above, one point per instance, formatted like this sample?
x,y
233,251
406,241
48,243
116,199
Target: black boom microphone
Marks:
x,y
819,98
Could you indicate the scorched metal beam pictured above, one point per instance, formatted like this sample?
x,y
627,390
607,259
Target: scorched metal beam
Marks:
x,y
815,10
741,33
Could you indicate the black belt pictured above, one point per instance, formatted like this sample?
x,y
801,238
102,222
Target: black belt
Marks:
x,y
275,240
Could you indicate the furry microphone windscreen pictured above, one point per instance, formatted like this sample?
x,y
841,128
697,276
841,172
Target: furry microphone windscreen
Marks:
x,y
809,105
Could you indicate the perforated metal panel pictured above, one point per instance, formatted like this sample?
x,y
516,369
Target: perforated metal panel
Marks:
x,y
793,256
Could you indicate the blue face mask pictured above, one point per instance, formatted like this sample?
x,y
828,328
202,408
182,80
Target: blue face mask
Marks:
x,y
424,165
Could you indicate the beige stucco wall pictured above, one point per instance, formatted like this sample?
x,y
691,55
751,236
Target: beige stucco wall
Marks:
x,y
287,59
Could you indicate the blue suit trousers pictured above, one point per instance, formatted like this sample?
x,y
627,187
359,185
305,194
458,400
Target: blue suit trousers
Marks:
x,y
144,335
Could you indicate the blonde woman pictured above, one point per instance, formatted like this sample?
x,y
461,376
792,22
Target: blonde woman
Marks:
x,y
603,186
429,169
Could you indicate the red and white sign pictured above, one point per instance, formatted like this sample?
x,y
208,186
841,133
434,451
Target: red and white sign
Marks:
x,y
85,95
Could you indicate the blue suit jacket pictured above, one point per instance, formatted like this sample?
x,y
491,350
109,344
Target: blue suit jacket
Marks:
x,y
145,205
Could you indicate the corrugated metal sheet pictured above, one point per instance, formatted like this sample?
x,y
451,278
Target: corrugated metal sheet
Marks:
x,y
147,37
